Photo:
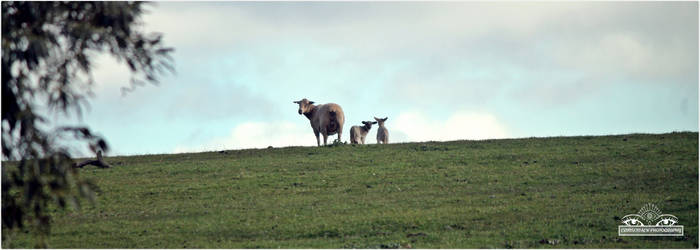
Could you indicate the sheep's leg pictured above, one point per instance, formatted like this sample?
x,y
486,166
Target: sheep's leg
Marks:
x,y
325,139
318,142
339,133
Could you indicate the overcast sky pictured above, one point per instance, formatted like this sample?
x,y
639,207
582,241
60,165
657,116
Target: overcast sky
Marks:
x,y
437,70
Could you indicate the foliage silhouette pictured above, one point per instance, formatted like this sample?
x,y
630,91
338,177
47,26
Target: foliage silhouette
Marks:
x,y
47,52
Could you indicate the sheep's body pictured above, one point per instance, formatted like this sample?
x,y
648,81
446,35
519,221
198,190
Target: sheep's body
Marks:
x,y
358,133
382,132
382,135
326,119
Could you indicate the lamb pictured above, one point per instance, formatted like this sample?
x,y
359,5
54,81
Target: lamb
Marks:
x,y
358,133
382,132
326,119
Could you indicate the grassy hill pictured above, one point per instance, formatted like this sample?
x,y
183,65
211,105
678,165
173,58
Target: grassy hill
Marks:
x,y
561,192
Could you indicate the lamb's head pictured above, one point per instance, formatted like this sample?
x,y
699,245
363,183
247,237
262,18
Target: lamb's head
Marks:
x,y
381,121
368,124
305,106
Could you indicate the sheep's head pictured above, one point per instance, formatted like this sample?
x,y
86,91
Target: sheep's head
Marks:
x,y
381,121
305,106
368,124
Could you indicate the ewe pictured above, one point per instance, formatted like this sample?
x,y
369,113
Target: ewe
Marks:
x,y
326,119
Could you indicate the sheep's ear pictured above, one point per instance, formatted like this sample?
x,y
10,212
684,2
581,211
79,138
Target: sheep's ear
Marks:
x,y
297,102
310,102
376,118
386,118
374,122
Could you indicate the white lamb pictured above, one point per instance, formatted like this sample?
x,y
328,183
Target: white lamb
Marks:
x,y
358,133
382,132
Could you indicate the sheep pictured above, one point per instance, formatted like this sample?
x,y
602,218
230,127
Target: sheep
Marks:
x,y
382,132
358,133
326,119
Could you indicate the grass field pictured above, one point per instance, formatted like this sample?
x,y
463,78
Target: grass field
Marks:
x,y
561,192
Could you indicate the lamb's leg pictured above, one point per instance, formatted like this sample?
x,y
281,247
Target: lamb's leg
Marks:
x,y
339,133
325,139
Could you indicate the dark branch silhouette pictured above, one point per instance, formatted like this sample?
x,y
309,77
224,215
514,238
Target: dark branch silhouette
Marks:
x,y
98,163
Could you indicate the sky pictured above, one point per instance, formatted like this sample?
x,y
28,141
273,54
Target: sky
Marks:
x,y
438,70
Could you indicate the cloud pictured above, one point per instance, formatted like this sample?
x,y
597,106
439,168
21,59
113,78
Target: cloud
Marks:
x,y
461,125
258,135
471,47
217,102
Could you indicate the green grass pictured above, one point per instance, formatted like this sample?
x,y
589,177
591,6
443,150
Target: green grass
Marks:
x,y
561,192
